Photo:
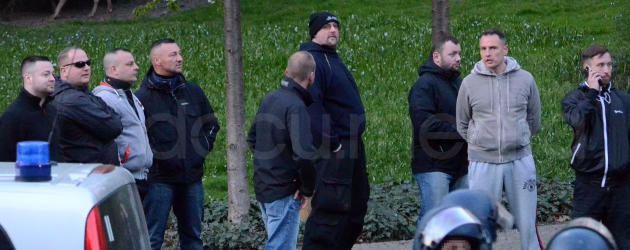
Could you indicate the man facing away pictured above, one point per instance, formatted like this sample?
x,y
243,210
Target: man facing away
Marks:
x,y
338,121
284,155
121,72
600,117
439,162
498,112
31,116
182,129
87,126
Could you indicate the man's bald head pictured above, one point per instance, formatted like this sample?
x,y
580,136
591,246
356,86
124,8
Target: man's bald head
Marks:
x,y
300,66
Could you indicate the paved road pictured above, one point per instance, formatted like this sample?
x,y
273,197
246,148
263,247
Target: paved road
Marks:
x,y
505,240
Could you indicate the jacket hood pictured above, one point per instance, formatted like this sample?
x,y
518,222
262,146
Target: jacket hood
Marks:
x,y
61,86
430,67
481,69
290,84
314,47
105,88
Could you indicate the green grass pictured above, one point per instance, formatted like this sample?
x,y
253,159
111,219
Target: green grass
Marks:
x,y
382,42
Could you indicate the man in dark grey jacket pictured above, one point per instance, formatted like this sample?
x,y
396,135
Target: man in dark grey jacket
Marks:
x,y
87,126
600,118
121,71
284,155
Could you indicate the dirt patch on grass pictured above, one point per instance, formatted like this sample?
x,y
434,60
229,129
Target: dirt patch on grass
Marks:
x,y
75,10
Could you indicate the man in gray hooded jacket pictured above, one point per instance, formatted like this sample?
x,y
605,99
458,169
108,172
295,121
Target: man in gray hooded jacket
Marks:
x,y
498,111
121,71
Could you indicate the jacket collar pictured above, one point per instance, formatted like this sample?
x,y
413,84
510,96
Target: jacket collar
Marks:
x,y
153,81
430,66
35,101
290,85
117,84
61,86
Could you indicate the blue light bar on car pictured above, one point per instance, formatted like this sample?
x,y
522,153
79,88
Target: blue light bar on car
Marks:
x,y
33,161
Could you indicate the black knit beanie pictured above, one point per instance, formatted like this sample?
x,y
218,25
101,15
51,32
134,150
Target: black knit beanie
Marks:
x,y
318,20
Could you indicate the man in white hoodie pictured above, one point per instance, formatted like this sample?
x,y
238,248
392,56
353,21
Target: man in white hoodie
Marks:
x,y
134,152
498,111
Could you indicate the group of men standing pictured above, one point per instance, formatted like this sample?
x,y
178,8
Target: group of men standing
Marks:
x,y
307,142
161,134
476,134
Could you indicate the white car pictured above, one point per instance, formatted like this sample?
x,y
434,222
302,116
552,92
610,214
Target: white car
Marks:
x,y
83,206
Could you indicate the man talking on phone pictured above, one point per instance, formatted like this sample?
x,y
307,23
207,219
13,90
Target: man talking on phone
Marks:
x,y
600,117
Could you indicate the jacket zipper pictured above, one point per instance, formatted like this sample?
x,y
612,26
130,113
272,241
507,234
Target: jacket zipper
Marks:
x,y
500,137
601,100
575,152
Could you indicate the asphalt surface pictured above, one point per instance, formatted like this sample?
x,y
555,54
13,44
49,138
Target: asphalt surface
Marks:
x,y
505,240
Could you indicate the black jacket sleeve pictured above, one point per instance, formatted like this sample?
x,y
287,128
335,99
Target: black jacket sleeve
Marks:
x,y
210,122
322,127
423,107
8,137
304,153
578,107
93,115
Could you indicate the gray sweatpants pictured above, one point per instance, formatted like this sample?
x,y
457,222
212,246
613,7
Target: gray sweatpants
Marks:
x,y
519,179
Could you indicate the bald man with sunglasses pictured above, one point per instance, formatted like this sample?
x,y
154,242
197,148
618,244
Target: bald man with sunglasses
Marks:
x,y
86,126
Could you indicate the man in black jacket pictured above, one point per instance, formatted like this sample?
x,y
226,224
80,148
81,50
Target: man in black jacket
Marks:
x,y
284,155
87,126
439,162
337,122
600,118
182,129
30,117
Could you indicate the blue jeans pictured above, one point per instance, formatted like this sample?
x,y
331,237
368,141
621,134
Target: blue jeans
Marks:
x,y
187,203
282,221
433,187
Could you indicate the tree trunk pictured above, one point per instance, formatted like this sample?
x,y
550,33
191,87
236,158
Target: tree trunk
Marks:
x,y
238,191
439,19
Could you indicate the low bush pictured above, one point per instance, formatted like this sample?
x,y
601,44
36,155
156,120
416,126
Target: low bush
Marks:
x,y
392,215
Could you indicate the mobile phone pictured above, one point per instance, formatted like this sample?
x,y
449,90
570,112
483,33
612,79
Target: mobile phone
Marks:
x,y
586,71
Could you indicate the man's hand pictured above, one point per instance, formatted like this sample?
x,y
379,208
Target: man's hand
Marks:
x,y
593,79
305,200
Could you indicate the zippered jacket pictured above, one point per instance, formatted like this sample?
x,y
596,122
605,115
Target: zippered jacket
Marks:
x,y
436,144
87,126
337,109
498,114
601,133
133,144
281,141
28,118
181,126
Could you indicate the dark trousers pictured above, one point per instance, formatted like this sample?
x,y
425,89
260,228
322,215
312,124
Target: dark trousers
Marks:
x,y
340,200
610,205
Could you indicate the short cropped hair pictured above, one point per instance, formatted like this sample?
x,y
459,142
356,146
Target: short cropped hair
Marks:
x,y
497,32
64,55
442,39
30,61
110,57
592,51
300,65
158,43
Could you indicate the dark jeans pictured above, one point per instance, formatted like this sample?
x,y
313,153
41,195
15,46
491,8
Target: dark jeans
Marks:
x,y
610,205
187,203
340,200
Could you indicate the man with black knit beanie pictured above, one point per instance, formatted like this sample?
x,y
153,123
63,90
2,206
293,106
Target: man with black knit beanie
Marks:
x,y
134,152
337,115
182,129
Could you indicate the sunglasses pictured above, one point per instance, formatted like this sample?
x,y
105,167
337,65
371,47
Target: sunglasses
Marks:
x,y
80,65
